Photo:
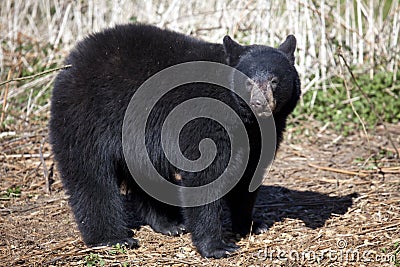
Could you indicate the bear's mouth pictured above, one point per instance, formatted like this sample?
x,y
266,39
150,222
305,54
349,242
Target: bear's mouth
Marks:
x,y
265,110
264,114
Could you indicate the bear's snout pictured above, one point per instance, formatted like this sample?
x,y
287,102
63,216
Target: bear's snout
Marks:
x,y
262,99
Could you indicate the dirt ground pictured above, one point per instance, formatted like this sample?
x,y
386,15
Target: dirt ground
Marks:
x,y
329,200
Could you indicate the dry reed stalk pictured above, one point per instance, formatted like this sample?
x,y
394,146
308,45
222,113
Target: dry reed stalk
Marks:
x,y
3,110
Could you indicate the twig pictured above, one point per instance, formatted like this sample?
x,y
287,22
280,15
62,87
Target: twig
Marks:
x,y
370,104
174,260
337,170
45,171
3,112
374,229
351,102
382,170
34,75
25,156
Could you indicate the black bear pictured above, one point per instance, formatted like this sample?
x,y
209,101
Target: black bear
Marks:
x,y
87,113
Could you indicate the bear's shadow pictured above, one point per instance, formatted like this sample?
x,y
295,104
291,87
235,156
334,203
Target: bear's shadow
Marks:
x,y
275,203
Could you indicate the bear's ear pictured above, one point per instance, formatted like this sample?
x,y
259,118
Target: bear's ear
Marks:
x,y
288,47
233,51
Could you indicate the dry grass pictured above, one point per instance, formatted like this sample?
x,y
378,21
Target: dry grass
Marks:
x,y
328,203
367,31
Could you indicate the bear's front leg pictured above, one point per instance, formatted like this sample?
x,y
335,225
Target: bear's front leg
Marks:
x,y
241,203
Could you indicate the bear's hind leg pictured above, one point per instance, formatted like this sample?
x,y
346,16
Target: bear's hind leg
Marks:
x,y
204,222
98,207
241,206
165,219
161,217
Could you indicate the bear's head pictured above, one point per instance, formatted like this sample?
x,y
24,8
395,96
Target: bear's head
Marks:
x,y
273,84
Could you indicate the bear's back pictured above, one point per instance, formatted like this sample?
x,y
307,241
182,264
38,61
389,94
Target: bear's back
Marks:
x,y
106,69
134,52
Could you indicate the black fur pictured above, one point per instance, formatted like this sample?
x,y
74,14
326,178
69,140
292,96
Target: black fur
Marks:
x,y
88,105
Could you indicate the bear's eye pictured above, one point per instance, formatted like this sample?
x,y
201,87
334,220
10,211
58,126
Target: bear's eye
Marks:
x,y
249,84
